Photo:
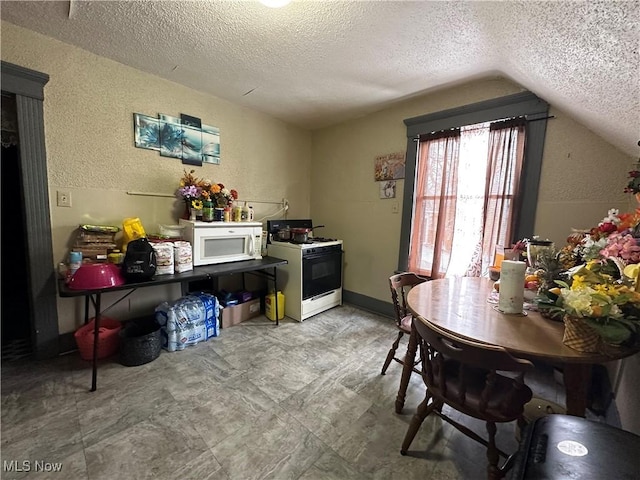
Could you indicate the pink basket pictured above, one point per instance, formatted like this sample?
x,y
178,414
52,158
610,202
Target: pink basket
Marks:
x,y
108,338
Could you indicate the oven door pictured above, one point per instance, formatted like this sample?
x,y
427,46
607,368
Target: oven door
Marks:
x,y
321,271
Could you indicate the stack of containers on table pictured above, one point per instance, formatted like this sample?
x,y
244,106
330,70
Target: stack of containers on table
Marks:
x,y
188,321
173,257
95,241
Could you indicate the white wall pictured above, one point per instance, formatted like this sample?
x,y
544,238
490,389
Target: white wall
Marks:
x,y
88,111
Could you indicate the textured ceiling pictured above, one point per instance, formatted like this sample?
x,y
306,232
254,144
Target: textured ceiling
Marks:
x,y
316,63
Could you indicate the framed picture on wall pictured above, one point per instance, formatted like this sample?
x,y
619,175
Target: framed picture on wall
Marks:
x,y
389,167
388,189
146,132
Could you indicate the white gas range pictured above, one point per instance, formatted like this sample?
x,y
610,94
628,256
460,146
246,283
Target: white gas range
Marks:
x,y
312,280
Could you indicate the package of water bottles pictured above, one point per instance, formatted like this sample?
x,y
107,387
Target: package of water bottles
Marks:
x,y
188,320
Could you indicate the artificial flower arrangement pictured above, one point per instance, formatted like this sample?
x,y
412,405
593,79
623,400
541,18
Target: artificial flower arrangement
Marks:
x,y
633,186
194,191
606,302
593,279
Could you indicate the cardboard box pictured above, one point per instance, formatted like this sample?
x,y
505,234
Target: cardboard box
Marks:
x,y
239,313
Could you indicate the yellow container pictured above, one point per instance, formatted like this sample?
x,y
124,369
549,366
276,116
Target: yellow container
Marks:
x,y
270,306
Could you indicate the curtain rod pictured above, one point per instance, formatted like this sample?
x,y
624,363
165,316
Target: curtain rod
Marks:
x,y
417,137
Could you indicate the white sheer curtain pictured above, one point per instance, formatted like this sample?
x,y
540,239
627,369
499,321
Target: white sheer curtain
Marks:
x,y
466,198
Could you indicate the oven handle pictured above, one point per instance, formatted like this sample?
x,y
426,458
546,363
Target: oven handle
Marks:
x,y
313,256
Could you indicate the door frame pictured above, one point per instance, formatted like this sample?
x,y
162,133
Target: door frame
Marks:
x,y
28,87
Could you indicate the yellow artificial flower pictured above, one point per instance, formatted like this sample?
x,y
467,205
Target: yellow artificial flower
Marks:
x,y
578,282
197,204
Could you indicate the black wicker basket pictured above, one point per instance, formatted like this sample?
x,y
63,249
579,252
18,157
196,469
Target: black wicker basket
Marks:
x,y
140,341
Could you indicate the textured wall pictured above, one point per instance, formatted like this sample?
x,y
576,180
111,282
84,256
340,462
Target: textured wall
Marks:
x,y
89,106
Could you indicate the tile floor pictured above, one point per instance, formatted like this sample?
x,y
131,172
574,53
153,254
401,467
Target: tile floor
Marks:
x,y
299,401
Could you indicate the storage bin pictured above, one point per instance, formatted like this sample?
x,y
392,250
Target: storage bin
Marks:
x,y
108,339
140,341
270,306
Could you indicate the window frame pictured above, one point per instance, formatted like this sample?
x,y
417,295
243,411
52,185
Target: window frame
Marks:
x,y
524,104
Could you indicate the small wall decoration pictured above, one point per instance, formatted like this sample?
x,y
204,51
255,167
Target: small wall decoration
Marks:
x,y
389,167
388,189
185,138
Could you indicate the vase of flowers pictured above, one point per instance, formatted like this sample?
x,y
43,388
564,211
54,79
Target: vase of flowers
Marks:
x,y
220,195
195,191
190,191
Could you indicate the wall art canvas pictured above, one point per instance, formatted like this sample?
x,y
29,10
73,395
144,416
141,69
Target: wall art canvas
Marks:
x,y
183,137
390,166
170,136
388,189
210,144
191,146
146,132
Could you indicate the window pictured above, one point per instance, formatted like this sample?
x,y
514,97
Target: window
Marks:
x,y
461,130
467,186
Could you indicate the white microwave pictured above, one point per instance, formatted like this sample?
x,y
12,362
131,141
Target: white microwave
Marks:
x,y
221,242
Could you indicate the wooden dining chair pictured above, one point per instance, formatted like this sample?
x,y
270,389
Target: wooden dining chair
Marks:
x,y
400,284
464,375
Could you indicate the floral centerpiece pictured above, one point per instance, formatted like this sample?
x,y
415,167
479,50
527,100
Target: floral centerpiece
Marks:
x,y
592,284
195,191
607,304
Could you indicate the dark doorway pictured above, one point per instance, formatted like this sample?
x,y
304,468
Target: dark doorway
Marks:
x,y
16,310
26,88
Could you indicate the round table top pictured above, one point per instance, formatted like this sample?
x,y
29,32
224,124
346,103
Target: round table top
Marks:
x,y
460,306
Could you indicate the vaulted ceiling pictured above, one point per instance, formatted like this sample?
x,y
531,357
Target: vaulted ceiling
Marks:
x,y
317,63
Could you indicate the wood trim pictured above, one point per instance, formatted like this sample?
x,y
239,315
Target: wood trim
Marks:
x,y
23,81
524,104
368,303
28,87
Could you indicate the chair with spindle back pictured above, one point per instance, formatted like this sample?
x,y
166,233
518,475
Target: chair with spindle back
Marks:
x,y
463,374
400,284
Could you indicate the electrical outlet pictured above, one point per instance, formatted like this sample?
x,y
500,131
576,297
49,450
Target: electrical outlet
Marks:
x,y
285,204
64,198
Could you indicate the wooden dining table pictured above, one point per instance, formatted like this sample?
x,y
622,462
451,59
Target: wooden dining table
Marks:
x,y
461,306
